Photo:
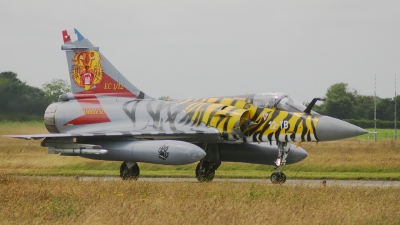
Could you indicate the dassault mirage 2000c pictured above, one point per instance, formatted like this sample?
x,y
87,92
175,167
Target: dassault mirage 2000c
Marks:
x,y
107,118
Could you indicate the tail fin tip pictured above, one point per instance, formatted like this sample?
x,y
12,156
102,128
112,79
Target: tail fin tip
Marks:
x,y
72,35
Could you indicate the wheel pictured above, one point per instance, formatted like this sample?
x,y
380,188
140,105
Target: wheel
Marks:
x,y
129,174
198,170
283,178
278,178
275,178
206,174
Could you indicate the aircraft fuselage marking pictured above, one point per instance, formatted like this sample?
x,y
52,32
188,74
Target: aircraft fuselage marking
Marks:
x,y
113,86
91,111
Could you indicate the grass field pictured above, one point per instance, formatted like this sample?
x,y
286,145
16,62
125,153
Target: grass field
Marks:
x,y
381,134
65,201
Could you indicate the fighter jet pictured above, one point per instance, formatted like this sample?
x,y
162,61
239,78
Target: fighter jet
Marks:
x,y
106,117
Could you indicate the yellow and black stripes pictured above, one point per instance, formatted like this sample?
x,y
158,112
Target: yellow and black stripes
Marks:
x,y
285,127
268,124
236,102
223,117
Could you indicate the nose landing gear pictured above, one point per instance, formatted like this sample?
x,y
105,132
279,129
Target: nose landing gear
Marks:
x,y
279,177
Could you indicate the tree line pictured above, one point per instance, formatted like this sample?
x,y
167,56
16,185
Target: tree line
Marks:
x,y
21,102
345,103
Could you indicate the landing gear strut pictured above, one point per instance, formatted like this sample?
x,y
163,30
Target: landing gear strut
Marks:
x,y
129,171
279,177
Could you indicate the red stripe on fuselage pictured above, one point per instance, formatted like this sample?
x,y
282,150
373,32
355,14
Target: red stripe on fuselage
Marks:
x,y
92,110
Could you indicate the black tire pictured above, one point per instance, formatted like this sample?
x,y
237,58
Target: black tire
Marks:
x,y
206,174
278,178
129,174
197,169
283,178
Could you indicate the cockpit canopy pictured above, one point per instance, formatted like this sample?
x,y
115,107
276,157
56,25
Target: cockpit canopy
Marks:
x,y
279,101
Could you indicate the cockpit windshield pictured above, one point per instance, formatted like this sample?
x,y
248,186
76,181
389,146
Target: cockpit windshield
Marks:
x,y
279,100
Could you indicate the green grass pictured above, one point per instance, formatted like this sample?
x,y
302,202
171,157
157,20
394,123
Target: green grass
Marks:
x,y
31,123
20,117
381,134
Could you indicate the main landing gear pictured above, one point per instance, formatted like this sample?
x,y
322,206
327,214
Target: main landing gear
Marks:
x,y
205,171
279,177
129,171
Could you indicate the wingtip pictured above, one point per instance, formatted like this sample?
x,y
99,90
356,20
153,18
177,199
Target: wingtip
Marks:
x,y
16,136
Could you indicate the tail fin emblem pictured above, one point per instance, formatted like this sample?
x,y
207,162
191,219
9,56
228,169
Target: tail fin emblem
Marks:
x,y
87,70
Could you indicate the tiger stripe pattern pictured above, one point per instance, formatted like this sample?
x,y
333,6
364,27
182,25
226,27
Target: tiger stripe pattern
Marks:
x,y
268,124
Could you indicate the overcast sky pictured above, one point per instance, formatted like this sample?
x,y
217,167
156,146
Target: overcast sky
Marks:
x,y
212,48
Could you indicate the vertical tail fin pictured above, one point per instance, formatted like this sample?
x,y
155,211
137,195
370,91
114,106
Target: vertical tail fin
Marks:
x,y
91,73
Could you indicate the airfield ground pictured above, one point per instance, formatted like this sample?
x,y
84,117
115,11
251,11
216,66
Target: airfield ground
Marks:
x,y
48,201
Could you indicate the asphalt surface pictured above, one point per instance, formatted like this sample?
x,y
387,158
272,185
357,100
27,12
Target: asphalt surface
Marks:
x,y
290,182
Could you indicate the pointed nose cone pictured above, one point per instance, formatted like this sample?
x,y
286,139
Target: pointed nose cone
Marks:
x,y
330,129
